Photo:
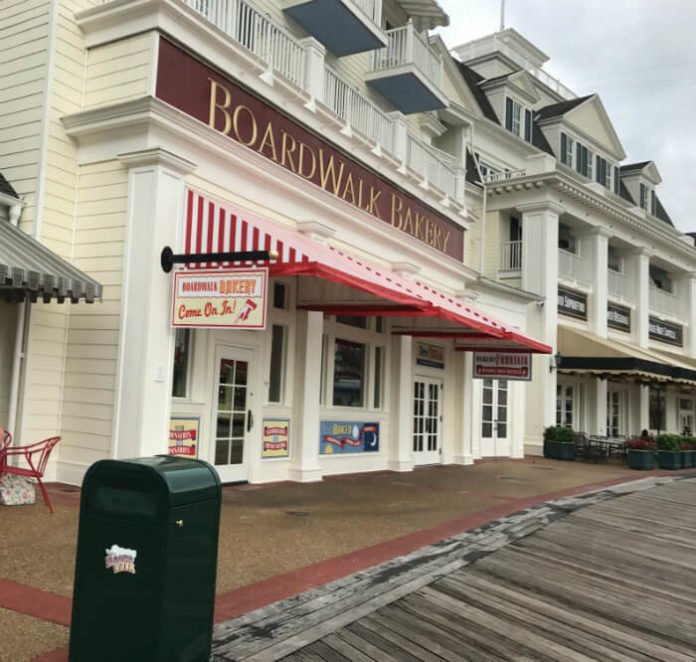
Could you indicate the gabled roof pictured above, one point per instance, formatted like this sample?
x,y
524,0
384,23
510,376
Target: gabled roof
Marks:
x,y
473,80
6,188
647,168
634,166
624,192
539,140
661,212
559,109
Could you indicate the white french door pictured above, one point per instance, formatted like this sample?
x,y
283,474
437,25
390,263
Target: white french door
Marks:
x,y
233,418
427,420
495,417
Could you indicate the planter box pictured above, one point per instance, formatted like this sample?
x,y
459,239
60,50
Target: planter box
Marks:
x,y
643,460
688,459
559,450
669,459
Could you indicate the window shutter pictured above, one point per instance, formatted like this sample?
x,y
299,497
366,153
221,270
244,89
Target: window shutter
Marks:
x,y
617,184
564,148
508,113
528,125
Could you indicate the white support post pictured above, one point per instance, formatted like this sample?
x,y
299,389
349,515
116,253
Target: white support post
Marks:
x,y
155,213
305,451
540,237
400,137
595,247
598,404
463,452
686,290
400,446
314,68
638,273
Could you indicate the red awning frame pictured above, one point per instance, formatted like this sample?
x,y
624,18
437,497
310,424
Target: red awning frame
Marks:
x,y
212,227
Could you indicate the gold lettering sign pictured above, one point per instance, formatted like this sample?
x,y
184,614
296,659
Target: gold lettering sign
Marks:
x,y
191,86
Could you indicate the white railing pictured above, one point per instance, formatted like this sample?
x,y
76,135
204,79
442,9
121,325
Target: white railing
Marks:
x,y
435,166
511,256
572,267
358,111
407,46
664,302
618,285
506,175
488,45
274,45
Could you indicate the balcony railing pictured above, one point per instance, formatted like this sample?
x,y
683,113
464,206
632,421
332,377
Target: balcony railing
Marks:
x,y
358,111
511,256
273,44
618,286
573,268
407,46
664,302
435,166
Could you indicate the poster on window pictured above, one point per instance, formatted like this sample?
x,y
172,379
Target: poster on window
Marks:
x,y
183,436
221,298
340,437
276,437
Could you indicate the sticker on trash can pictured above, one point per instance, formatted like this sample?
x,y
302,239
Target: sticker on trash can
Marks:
x,y
120,559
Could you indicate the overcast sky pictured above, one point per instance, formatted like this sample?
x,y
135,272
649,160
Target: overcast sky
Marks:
x,y
638,55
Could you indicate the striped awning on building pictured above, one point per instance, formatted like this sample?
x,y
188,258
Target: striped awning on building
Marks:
x,y
213,228
27,267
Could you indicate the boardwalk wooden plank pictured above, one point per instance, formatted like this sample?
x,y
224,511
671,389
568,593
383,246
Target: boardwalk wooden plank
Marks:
x,y
394,636
388,648
366,646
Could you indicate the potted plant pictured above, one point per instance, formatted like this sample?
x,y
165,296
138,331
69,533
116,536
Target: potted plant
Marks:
x,y
688,448
559,442
669,453
640,454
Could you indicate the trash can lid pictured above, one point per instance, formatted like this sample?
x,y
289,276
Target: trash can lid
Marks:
x,y
183,479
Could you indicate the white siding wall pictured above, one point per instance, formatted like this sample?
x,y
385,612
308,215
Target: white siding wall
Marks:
x,y
92,337
24,36
118,71
8,317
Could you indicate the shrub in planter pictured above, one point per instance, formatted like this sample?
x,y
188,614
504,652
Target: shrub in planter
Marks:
x,y
559,442
669,453
688,449
640,454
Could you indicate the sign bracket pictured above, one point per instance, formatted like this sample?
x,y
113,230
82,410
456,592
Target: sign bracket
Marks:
x,y
168,258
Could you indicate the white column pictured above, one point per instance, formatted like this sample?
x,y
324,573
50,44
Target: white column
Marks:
x,y
305,453
154,217
400,137
315,53
671,406
517,394
638,274
641,413
686,291
464,408
540,276
401,442
598,404
595,251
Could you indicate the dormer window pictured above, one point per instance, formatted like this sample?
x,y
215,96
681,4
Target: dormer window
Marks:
x,y
643,196
602,172
518,120
583,160
617,181
653,202
567,145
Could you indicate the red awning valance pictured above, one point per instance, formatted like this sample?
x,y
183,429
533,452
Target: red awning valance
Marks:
x,y
212,227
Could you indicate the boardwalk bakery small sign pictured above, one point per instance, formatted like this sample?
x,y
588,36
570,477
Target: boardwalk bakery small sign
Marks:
x,y
120,559
220,298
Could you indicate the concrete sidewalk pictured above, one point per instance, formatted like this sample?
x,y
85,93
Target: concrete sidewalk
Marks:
x,y
282,539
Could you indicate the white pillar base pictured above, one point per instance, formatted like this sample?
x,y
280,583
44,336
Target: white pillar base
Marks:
x,y
306,475
463,459
400,465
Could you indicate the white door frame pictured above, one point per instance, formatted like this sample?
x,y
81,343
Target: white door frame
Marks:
x,y
427,420
496,445
251,412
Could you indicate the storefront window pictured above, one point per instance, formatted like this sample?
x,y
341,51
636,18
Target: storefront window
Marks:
x,y
182,343
349,374
379,361
657,410
275,378
279,295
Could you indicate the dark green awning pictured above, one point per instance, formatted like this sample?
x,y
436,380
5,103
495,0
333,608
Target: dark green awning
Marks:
x,y
27,267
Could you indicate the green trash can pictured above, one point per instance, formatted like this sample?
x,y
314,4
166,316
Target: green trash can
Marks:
x,y
146,561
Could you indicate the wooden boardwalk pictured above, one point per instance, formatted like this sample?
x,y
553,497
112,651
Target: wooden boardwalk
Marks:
x,y
611,581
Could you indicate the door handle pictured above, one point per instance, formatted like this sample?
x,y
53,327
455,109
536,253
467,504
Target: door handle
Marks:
x,y
250,420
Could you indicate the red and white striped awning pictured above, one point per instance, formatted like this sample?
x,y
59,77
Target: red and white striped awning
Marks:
x,y
212,228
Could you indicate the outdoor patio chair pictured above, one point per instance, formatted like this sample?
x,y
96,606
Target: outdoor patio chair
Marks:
x,y
36,457
5,441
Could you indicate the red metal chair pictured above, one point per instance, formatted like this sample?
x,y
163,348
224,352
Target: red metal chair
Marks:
x,y
36,457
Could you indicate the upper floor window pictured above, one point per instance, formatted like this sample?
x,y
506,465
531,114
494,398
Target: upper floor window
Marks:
x,y
567,145
602,171
653,203
643,196
617,181
583,160
518,120
566,240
